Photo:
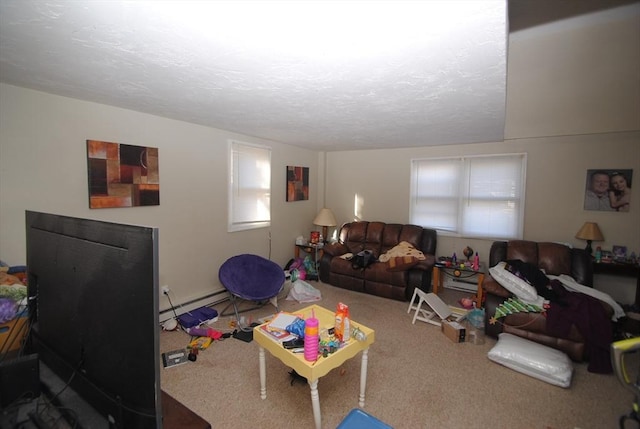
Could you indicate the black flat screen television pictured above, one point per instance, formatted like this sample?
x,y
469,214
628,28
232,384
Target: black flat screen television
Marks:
x,y
93,297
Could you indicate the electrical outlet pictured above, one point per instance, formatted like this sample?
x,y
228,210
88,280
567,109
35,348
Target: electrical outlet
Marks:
x,y
165,290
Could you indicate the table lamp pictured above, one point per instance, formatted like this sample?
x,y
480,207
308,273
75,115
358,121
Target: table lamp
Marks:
x,y
325,219
590,232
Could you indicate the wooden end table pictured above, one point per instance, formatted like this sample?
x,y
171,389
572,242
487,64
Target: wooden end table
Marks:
x,y
620,269
312,371
441,269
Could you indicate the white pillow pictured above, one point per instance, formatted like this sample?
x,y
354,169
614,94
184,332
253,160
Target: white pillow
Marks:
x,y
533,359
513,283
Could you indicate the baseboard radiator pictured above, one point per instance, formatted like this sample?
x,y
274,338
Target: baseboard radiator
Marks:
x,y
460,284
204,301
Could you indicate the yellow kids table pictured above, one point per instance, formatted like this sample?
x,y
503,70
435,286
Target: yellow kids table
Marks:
x,y
312,371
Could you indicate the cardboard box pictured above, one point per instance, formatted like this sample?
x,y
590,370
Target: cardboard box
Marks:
x,y
454,331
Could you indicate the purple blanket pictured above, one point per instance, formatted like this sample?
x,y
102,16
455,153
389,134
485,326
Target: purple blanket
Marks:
x,y
591,321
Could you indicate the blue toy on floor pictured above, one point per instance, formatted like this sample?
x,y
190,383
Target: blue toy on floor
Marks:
x,y
358,419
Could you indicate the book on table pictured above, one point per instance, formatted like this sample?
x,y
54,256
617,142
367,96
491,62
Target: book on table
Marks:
x,y
279,336
281,321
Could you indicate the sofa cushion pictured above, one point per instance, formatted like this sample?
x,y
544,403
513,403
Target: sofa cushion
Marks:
x,y
411,234
345,267
378,273
526,251
513,283
554,258
335,249
390,237
373,239
356,236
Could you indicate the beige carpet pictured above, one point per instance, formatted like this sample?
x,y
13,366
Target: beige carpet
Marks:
x,y
417,378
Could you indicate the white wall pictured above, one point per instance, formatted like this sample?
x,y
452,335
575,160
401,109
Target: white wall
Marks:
x,y
43,167
573,104
575,76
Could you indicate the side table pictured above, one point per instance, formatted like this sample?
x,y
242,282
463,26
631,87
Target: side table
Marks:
x,y
620,269
315,250
441,269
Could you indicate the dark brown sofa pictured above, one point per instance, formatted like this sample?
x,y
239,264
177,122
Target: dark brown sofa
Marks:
x,y
378,279
554,259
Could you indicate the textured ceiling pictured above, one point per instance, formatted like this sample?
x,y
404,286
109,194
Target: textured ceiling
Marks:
x,y
234,66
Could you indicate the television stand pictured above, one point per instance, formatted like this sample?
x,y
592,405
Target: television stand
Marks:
x,y
50,409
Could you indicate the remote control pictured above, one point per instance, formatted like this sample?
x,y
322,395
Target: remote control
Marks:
x,y
293,344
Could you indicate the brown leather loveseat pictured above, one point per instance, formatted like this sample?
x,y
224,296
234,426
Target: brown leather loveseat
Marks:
x,y
555,259
378,279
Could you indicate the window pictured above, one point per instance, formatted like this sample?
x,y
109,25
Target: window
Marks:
x,y
477,196
249,186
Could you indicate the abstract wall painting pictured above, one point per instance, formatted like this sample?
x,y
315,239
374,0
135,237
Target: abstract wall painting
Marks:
x,y
297,183
122,175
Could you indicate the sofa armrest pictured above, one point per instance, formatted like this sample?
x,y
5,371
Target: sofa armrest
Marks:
x,y
426,264
495,294
491,303
491,286
335,249
329,251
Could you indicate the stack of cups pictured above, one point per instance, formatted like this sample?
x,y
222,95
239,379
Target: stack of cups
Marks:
x,y
311,339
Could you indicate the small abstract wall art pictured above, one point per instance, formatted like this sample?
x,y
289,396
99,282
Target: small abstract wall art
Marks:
x,y
297,183
122,175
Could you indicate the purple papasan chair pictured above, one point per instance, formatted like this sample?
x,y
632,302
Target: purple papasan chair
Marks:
x,y
252,278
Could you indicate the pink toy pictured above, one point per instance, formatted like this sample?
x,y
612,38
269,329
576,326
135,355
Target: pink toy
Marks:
x,y
476,262
466,303
205,332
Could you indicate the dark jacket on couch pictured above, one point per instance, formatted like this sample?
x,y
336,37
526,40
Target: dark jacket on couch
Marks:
x,y
380,279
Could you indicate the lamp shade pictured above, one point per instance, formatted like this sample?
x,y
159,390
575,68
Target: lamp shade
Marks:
x,y
590,232
325,218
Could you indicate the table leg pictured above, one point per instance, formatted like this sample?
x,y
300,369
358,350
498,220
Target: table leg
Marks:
x,y
437,280
480,291
315,403
263,374
363,375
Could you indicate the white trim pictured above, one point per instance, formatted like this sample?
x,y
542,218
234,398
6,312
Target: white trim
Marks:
x,y
214,298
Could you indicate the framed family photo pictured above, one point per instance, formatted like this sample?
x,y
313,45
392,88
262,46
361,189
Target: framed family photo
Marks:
x,y
608,190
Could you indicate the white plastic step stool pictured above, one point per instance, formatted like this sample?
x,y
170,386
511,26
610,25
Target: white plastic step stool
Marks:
x,y
437,312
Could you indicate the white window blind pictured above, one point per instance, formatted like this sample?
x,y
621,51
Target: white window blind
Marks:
x,y
249,186
476,196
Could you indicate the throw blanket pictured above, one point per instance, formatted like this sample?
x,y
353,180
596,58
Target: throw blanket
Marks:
x,y
402,249
587,314
569,283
